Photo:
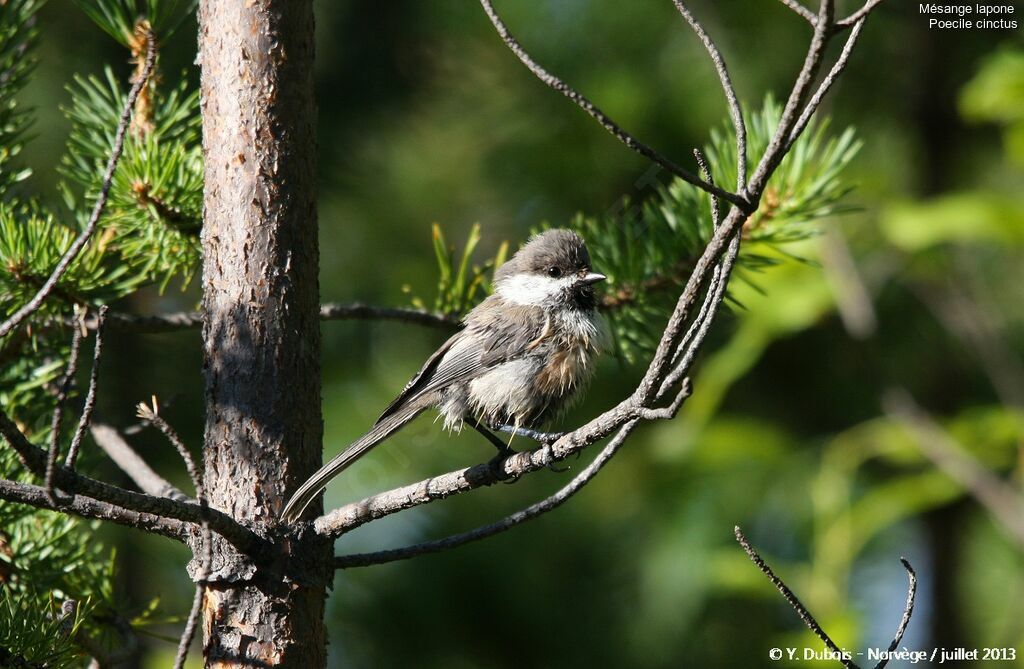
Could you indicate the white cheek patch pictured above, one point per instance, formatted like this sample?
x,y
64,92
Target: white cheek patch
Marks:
x,y
532,289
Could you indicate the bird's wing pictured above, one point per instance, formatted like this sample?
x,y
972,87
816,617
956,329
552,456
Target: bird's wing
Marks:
x,y
485,343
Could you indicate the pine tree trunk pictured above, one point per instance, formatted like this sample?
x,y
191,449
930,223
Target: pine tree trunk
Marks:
x,y
261,334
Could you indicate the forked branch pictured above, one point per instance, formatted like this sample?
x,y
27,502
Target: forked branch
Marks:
x,y
844,657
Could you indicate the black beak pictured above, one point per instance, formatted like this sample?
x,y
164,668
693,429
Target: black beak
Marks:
x,y
591,278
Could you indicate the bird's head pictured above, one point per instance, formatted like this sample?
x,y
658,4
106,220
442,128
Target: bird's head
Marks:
x,y
551,270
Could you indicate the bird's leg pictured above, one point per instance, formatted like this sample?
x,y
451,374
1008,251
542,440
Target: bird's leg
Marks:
x,y
504,450
546,438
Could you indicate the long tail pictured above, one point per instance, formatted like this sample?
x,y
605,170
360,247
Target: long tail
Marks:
x,y
317,482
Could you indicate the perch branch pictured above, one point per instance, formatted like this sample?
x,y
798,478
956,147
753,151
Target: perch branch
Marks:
x,y
76,247
507,523
90,396
607,123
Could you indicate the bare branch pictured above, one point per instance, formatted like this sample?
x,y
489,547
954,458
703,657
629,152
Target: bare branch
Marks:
x,y
780,141
791,598
90,396
826,84
58,411
858,15
188,320
132,464
801,10
507,523
730,96
67,480
812,624
101,199
908,611
608,124
88,507
1001,499
152,414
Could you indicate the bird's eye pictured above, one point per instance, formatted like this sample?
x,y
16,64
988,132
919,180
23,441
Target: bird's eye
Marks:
x,y
554,272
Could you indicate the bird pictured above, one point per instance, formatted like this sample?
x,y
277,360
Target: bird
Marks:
x,y
520,359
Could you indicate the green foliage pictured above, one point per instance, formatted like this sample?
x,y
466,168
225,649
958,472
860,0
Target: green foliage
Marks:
x,y
996,95
17,36
147,235
461,284
154,209
118,18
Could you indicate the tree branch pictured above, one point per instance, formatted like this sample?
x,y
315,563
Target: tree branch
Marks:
x,y
507,523
67,480
730,97
132,464
812,624
350,516
801,10
858,15
189,320
607,123
88,507
101,200
90,397
826,84
58,410
153,416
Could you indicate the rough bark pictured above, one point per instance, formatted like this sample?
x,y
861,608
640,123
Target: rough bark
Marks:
x,y
261,327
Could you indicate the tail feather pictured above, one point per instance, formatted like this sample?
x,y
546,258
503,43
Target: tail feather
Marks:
x,y
308,491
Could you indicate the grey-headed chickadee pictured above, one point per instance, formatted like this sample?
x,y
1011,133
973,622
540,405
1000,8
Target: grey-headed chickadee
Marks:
x,y
522,355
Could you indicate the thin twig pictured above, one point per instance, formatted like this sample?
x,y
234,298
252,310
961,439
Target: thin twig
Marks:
x,y
792,599
518,518
607,123
826,83
858,15
152,414
730,96
132,464
101,199
90,397
801,10
908,611
58,411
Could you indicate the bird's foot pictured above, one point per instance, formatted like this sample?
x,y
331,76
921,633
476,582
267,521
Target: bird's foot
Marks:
x,y
535,435
496,465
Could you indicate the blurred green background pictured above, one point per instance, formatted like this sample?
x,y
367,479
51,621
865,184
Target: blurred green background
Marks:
x,y
425,117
